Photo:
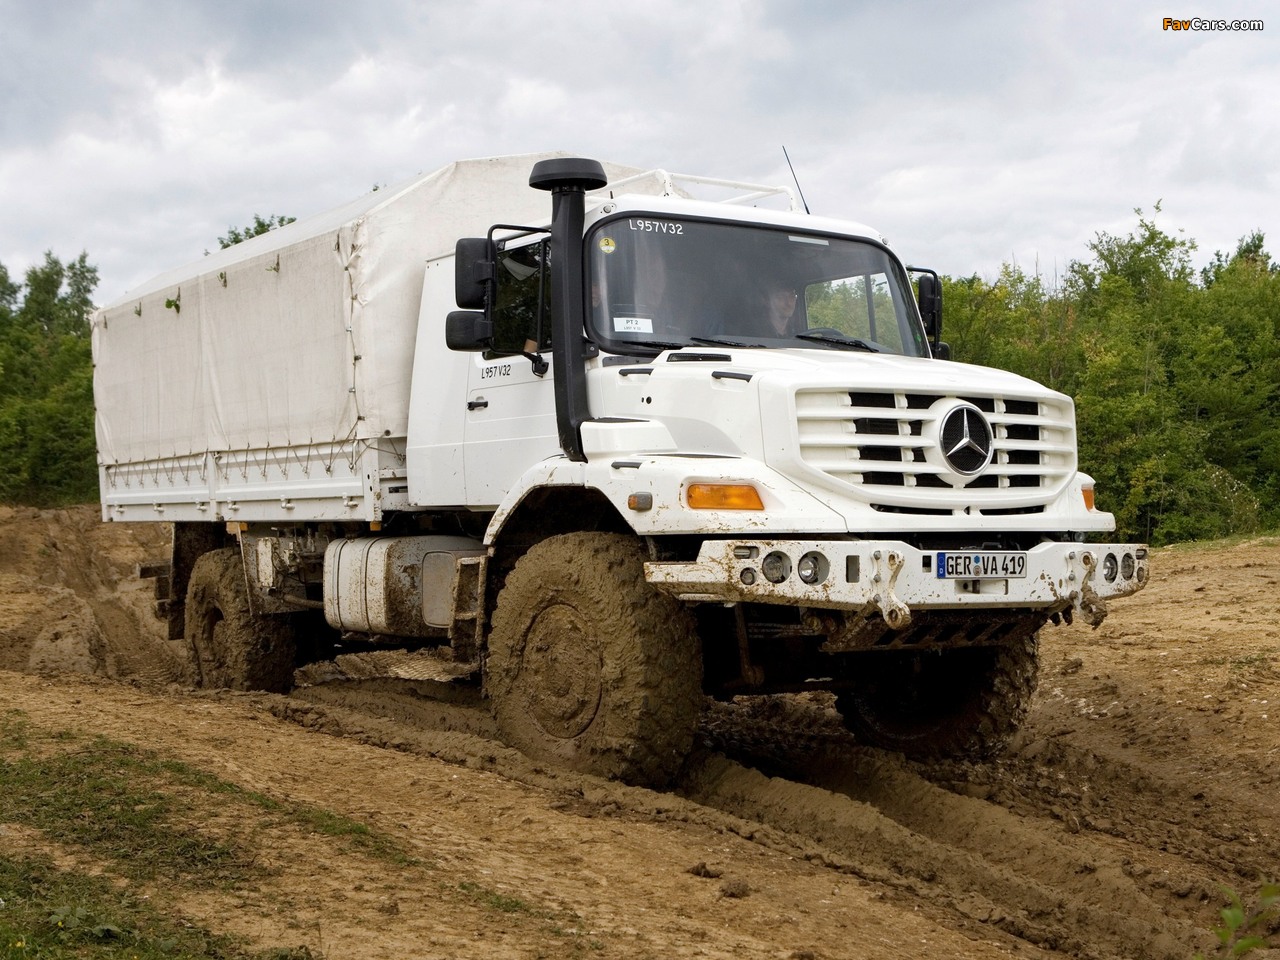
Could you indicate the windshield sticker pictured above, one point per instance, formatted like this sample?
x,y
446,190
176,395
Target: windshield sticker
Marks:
x,y
815,240
607,245
657,226
632,325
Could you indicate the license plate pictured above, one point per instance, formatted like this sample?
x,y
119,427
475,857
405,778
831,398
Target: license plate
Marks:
x,y
981,565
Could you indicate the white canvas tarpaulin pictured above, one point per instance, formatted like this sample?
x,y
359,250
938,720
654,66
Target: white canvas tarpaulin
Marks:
x,y
301,336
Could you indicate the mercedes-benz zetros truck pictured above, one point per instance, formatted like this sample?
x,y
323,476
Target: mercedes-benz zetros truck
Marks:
x,y
613,440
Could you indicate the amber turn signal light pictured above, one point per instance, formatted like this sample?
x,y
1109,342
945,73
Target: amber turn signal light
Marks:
x,y
1087,493
723,496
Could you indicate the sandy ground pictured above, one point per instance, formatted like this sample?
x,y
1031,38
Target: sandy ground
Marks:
x,y
1147,777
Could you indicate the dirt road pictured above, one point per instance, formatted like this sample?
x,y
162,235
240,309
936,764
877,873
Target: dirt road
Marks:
x,y
1147,777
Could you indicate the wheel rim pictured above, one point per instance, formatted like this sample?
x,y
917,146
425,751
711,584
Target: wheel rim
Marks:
x,y
561,670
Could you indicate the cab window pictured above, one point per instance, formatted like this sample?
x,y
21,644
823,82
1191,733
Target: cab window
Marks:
x,y
522,313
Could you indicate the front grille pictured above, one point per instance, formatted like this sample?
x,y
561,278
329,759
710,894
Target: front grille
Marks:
x,y
886,445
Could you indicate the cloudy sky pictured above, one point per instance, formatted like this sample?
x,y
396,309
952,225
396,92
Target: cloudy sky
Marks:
x,y
969,134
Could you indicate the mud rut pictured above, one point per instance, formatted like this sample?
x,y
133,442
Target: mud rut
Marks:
x,y
1022,846
1105,830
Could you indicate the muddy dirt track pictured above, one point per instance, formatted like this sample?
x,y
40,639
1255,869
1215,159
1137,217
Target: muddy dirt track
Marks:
x,y
1147,777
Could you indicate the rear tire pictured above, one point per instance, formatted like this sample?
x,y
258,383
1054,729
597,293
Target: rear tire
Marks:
x,y
591,668
228,647
963,703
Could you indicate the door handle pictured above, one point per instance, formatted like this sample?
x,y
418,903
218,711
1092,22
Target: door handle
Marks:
x,y
477,404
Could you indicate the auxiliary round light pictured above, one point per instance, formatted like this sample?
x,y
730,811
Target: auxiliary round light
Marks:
x,y
776,567
1126,566
1109,567
812,568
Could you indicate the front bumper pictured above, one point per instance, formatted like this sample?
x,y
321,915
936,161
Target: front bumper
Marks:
x,y
894,578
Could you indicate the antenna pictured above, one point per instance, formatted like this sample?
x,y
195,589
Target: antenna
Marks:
x,y
795,178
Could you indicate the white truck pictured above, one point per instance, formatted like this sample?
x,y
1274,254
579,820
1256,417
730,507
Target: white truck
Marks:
x,y
677,439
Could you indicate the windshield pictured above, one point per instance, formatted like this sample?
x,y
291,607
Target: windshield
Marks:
x,y
663,282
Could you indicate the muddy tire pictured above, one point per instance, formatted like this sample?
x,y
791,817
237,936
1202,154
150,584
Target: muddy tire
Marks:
x,y
953,704
589,667
227,647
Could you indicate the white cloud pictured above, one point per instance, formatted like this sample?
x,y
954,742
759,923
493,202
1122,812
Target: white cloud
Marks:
x,y
968,135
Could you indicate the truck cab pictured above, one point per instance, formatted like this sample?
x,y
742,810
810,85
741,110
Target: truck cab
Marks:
x,y
755,397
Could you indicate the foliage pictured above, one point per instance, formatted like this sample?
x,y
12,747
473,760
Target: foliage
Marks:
x,y
1176,377
1244,928
46,384
259,226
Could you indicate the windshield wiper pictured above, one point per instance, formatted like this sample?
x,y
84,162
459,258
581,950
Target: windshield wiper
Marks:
x,y
725,342
661,344
837,340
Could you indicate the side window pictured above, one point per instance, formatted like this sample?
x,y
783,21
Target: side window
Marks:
x,y
861,307
522,313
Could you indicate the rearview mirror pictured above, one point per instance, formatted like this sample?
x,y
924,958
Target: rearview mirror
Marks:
x,y
467,330
472,272
929,298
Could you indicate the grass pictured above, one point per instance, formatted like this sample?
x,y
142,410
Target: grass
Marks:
x,y
359,835
566,925
500,901
143,818
13,731
51,914
109,800
1252,661
120,820
1265,539
143,813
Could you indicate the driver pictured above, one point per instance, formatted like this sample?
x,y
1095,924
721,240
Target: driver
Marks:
x,y
779,307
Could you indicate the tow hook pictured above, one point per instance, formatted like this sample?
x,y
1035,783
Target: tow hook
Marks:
x,y
1092,607
895,613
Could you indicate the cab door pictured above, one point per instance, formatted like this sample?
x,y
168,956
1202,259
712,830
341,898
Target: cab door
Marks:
x,y
511,412
510,425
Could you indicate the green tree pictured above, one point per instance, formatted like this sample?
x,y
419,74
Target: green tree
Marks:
x,y
46,394
1016,324
8,296
259,226
1249,250
1176,377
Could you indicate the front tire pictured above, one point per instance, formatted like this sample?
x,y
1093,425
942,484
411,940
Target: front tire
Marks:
x,y
227,646
591,668
963,703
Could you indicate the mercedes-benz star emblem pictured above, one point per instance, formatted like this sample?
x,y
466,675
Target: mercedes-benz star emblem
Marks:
x,y
966,439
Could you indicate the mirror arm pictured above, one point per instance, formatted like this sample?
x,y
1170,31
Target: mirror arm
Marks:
x,y
540,366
